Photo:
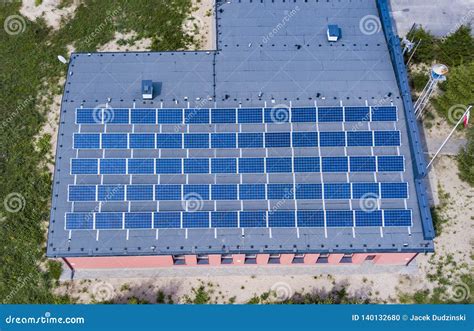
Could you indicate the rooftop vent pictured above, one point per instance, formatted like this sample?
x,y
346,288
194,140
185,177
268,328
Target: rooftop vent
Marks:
x,y
334,32
147,89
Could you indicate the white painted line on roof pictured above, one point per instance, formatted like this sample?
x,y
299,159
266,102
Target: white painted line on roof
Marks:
x,y
215,233
128,234
243,232
270,232
70,235
409,231
381,232
97,236
157,234
297,232
186,233
353,232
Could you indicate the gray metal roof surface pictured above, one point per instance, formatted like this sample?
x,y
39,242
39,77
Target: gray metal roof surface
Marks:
x,y
269,52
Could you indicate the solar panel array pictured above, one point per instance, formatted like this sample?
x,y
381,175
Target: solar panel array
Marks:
x,y
115,163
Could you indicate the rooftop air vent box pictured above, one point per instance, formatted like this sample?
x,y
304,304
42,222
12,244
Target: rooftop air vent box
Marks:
x,y
334,32
147,89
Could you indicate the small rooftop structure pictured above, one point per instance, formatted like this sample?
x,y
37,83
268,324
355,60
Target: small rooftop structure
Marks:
x,y
147,89
334,32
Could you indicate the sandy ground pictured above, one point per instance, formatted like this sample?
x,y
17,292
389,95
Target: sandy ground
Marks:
x,y
132,45
201,24
48,10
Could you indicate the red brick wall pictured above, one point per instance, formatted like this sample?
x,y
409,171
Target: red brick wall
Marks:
x,y
238,259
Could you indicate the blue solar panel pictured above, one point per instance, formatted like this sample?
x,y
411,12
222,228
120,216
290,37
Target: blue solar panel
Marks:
x,y
253,219
196,116
362,163
308,191
357,114
250,115
114,140
196,220
79,221
359,138
200,191
168,192
280,191
394,190
223,166
277,115
82,193
281,219
334,164
251,165
170,116
84,166
332,139
305,139
277,139
141,166
400,217
363,190
390,163
223,115
143,116
111,193
140,192
224,219
250,140
108,221
330,114
279,164
196,166
169,140
339,218
82,140
164,220
117,116
381,114
168,166
310,218
337,191
142,140
387,138
306,164
196,140
223,140
252,192
113,166
368,218
87,116
138,220
224,192
303,114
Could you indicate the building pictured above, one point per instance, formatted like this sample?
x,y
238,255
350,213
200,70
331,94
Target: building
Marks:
x,y
278,147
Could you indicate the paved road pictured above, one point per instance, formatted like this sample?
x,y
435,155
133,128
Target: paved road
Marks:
x,y
452,147
441,17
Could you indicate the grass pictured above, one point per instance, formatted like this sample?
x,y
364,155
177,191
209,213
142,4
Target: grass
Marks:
x,y
29,78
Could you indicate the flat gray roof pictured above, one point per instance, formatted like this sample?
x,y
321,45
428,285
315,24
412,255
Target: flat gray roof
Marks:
x,y
269,54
